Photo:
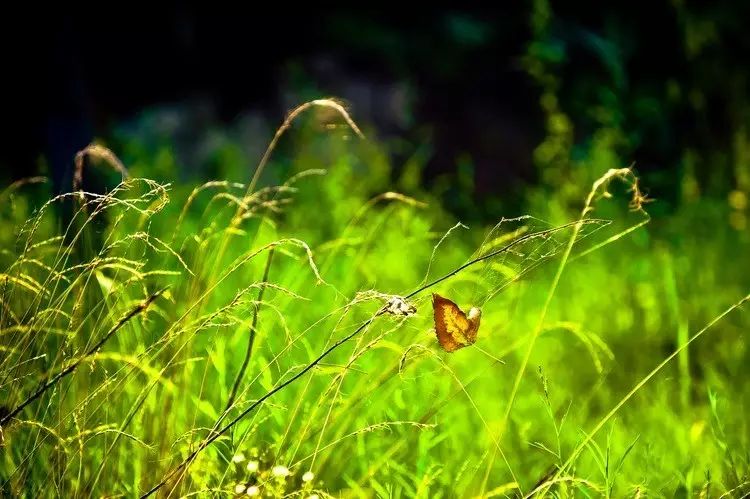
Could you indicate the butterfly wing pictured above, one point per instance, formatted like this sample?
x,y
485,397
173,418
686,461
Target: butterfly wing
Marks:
x,y
453,328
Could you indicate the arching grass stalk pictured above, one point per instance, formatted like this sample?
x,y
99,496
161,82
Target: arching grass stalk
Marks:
x,y
325,103
100,152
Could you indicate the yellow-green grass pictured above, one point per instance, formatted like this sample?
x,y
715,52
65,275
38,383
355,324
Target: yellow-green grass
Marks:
x,y
174,338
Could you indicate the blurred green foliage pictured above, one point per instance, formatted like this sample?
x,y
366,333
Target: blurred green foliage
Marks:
x,y
389,414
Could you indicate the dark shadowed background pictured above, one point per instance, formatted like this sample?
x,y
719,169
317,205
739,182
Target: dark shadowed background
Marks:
x,y
477,87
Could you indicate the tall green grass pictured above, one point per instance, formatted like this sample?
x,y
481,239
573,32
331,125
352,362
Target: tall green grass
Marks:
x,y
234,338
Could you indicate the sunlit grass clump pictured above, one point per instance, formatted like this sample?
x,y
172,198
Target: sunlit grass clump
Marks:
x,y
276,340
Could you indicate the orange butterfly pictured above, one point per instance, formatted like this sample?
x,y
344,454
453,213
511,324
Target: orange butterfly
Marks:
x,y
454,328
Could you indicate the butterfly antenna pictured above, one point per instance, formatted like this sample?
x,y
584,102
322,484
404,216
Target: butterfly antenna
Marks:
x,y
488,354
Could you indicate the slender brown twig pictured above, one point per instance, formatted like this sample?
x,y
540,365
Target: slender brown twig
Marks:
x,y
251,336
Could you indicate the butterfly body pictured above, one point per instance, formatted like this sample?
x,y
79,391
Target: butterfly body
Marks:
x,y
454,328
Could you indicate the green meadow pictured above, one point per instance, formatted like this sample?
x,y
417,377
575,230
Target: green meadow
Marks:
x,y
271,332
